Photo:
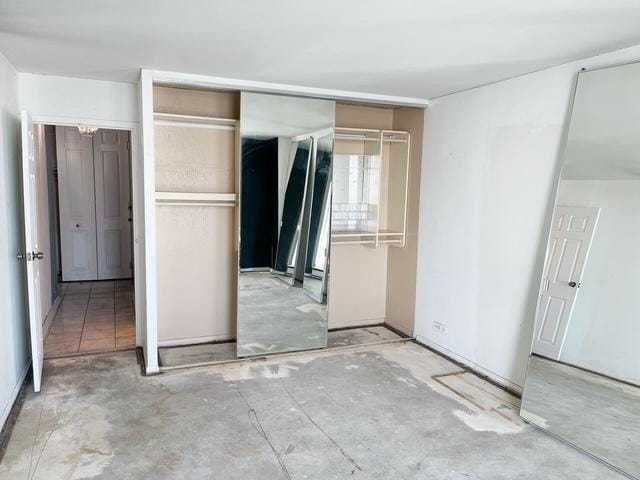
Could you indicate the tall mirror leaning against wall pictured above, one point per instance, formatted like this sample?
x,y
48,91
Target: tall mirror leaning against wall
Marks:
x,y
583,378
285,221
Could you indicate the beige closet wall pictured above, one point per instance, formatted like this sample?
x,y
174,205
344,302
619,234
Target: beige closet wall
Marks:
x,y
376,285
402,262
195,244
358,286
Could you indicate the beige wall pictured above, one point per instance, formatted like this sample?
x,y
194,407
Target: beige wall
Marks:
x,y
196,102
402,262
376,285
196,255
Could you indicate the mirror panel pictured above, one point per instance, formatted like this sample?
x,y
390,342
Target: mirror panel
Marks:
x,y
316,272
285,190
583,377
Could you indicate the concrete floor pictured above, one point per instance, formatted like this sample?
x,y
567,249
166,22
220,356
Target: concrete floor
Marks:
x,y
395,411
301,322
190,355
598,414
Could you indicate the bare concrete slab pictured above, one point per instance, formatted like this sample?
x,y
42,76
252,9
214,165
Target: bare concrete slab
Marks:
x,y
220,352
394,411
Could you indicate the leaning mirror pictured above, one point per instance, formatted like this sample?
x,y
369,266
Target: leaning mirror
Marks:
x,y
285,209
583,378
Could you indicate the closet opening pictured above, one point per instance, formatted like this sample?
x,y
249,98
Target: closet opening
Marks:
x,y
236,178
85,230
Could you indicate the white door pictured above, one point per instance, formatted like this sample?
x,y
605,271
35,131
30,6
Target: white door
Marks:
x,y
113,203
571,235
32,249
77,205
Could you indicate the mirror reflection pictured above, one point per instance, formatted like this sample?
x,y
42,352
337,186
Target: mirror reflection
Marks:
x,y
316,270
285,184
583,379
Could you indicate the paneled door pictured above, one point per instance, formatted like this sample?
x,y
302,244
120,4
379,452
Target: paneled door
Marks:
x,y
570,239
77,205
113,203
32,253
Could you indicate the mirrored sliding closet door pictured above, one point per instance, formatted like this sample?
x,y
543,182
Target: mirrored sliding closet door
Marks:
x,y
583,379
285,223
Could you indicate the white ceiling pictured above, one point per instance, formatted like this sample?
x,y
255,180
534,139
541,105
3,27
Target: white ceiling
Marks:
x,y
412,48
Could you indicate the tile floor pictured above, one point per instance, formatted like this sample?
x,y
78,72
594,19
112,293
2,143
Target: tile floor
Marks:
x,y
92,317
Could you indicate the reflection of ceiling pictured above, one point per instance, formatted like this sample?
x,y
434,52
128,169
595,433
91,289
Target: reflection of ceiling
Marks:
x,y
604,136
279,116
409,48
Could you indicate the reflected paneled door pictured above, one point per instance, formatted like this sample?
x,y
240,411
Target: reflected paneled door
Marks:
x,y
571,236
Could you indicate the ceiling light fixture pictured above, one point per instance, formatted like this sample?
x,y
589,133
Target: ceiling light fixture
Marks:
x,y
87,131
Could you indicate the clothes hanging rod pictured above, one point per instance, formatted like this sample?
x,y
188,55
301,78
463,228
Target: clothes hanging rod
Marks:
x,y
210,126
355,242
195,121
195,204
196,199
359,138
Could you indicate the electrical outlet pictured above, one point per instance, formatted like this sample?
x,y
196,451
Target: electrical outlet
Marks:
x,y
440,327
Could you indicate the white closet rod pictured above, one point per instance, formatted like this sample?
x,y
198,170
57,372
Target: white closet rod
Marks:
x,y
166,123
195,121
196,199
196,204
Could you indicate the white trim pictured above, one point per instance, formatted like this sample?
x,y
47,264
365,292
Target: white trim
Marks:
x,y
180,342
472,365
168,78
14,394
149,193
76,121
357,323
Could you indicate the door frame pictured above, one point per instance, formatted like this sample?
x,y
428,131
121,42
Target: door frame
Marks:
x,y
150,78
138,236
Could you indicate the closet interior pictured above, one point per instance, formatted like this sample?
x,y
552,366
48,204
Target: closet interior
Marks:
x,y
374,213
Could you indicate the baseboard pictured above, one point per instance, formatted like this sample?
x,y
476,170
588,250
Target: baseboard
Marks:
x,y
474,367
6,411
51,314
181,342
399,328
358,323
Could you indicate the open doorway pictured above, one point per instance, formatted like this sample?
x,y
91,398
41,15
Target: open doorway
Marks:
x,y
85,228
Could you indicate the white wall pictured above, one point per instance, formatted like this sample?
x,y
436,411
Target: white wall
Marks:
x,y
490,160
64,97
604,331
14,351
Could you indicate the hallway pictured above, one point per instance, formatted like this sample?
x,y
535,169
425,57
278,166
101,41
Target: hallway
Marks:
x,y
93,317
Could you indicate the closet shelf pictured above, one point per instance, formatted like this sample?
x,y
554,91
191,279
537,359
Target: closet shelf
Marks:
x,y
179,120
370,135
196,199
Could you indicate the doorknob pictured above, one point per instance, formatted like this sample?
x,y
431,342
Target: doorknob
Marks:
x,y
37,255
572,284
21,256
